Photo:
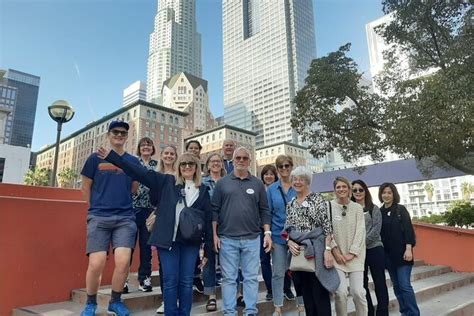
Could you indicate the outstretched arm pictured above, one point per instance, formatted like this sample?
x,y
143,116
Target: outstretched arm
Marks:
x,y
149,178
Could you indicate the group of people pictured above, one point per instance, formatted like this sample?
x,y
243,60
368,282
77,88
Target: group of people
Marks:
x,y
245,223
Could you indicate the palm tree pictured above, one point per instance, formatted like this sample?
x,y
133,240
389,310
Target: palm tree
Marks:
x,y
429,188
466,189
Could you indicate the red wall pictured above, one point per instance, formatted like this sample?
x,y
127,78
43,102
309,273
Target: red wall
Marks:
x,y
441,245
42,245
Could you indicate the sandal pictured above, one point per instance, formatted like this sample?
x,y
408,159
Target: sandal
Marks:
x,y
211,305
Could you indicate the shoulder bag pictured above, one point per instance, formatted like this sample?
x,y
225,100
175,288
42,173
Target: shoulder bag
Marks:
x,y
301,263
191,223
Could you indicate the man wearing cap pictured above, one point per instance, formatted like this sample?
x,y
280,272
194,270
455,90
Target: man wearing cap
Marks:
x,y
110,220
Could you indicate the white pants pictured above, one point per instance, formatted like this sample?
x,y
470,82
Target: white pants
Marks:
x,y
356,284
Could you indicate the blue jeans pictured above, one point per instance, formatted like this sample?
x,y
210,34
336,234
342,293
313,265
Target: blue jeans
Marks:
x,y
279,265
178,273
402,288
243,253
209,274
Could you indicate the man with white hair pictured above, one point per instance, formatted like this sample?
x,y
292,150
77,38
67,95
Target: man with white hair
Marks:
x,y
240,207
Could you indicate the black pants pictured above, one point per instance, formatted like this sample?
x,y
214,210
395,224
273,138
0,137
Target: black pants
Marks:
x,y
144,270
315,296
375,260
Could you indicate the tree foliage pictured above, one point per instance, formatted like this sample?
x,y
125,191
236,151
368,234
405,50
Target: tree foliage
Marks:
x,y
37,177
424,110
67,177
461,214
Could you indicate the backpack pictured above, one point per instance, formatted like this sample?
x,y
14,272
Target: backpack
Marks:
x,y
191,223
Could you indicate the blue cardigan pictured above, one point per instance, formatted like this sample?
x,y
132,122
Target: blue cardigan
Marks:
x,y
166,194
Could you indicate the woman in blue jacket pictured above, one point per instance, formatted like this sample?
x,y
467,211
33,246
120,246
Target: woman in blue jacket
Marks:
x,y
172,194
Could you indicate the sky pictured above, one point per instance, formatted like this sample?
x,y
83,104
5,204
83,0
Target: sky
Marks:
x,y
88,51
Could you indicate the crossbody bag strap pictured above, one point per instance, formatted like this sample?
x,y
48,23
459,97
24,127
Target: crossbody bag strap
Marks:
x,y
282,195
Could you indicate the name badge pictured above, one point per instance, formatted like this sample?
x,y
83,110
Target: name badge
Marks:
x,y
250,191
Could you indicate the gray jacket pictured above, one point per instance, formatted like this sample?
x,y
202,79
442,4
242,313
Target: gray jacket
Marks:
x,y
315,246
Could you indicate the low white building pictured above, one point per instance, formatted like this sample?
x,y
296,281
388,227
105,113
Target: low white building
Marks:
x,y
14,163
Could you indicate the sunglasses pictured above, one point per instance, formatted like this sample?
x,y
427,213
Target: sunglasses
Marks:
x,y
285,166
244,158
185,164
358,190
344,210
117,132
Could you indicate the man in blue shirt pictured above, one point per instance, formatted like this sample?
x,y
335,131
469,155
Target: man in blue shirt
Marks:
x,y
110,220
228,147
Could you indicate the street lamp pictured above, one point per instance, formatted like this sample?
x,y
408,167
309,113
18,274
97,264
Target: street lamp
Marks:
x,y
61,112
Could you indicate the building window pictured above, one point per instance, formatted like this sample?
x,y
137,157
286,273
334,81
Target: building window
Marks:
x,y
148,113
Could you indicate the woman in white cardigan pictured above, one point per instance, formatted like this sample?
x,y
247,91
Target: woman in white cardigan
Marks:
x,y
348,248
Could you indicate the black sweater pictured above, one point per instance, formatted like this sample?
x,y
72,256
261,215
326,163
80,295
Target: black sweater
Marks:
x,y
397,231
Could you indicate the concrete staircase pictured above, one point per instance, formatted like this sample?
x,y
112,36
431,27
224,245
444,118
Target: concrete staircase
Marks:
x,y
439,291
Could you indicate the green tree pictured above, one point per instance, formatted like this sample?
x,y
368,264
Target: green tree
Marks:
x,y
425,111
461,214
67,177
37,177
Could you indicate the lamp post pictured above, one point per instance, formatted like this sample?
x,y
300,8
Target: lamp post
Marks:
x,y
61,112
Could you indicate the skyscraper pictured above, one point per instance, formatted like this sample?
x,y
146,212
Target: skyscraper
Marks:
x,y
19,96
175,45
268,49
134,92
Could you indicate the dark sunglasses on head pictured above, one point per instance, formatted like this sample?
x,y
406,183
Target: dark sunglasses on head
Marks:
x,y
117,132
244,158
358,190
344,210
187,164
286,166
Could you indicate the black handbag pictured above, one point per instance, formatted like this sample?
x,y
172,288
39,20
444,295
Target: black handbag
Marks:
x,y
191,223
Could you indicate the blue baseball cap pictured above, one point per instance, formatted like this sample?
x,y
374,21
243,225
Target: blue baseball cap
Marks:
x,y
115,124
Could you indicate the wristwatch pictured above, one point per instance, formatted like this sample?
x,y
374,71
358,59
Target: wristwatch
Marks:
x,y
268,232
328,248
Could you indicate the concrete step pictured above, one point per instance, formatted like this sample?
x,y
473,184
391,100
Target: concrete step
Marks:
x,y
444,294
457,302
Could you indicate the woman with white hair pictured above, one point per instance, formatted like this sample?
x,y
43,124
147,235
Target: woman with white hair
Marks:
x,y
307,218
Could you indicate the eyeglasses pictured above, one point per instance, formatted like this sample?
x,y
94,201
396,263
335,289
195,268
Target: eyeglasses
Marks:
x,y
244,158
215,161
146,145
116,132
285,166
344,210
358,190
185,164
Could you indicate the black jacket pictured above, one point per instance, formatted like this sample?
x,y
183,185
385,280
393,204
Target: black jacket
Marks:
x,y
166,194
397,231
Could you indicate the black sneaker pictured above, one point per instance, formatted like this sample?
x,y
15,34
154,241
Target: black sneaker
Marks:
x,y
145,285
269,296
198,286
125,288
290,296
240,301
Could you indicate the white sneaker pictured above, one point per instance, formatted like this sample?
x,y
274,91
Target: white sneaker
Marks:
x,y
161,309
